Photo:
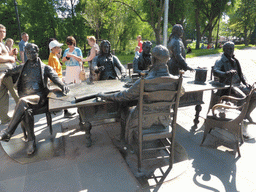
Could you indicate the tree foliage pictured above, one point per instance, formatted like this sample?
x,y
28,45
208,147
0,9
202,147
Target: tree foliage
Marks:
x,y
120,21
242,19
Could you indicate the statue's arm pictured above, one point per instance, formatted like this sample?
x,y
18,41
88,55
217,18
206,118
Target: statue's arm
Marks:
x,y
127,95
119,65
53,76
136,65
14,71
177,52
218,69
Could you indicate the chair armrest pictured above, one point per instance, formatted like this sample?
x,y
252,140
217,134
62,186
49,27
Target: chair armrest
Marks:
x,y
230,98
223,106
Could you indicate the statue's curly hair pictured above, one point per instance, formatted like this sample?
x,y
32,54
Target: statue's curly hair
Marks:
x,y
101,47
146,43
176,30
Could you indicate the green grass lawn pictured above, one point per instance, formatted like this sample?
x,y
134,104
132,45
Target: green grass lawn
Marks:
x,y
200,52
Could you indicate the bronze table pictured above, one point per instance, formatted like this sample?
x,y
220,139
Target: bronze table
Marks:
x,y
99,110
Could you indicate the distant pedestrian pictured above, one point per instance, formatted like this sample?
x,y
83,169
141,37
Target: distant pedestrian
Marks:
x,y
137,53
12,51
54,62
72,57
22,45
140,42
6,83
92,53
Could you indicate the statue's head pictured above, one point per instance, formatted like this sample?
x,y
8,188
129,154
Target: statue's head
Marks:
x,y
146,47
228,48
177,30
31,51
105,47
160,54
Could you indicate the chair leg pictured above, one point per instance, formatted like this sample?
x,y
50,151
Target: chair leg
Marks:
x,y
49,121
139,158
206,131
238,148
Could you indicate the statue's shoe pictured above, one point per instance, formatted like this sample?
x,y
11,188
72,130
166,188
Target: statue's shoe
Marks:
x,y
31,147
4,136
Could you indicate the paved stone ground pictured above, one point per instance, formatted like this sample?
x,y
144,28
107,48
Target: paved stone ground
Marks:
x,y
102,168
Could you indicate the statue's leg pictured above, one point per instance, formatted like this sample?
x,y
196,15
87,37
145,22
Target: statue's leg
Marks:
x,y
85,125
16,119
124,115
29,127
23,127
251,107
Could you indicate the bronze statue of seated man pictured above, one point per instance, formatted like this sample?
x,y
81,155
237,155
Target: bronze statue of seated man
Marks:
x,y
228,70
160,56
32,90
143,62
104,64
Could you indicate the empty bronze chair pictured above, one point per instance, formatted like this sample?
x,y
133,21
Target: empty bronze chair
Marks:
x,y
228,117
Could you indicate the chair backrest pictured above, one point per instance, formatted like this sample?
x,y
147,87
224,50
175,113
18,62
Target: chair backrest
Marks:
x,y
246,103
159,97
129,67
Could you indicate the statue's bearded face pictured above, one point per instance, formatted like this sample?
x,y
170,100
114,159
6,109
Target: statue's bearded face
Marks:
x,y
105,48
31,53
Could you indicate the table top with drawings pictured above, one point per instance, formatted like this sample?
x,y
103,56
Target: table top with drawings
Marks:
x,y
59,101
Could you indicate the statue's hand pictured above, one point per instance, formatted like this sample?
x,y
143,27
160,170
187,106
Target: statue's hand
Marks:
x,y
248,85
102,96
65,90
123,76
191,69
231,72
100,69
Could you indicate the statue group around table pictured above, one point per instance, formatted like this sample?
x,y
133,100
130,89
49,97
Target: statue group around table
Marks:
x,y
33,77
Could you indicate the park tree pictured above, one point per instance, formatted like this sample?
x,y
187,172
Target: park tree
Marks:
x,y
112,20
41,22
9,20
207,15
242,19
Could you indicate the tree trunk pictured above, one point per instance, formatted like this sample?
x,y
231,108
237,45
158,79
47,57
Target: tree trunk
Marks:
x,y
158,35
210,35
245,37
198,32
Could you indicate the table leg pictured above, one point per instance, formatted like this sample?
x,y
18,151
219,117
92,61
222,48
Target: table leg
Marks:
x,y
86,126
198,108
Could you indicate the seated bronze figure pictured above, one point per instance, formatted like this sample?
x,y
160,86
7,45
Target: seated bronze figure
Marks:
x,y
32,90
160,56
104,64
228,70
143,62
